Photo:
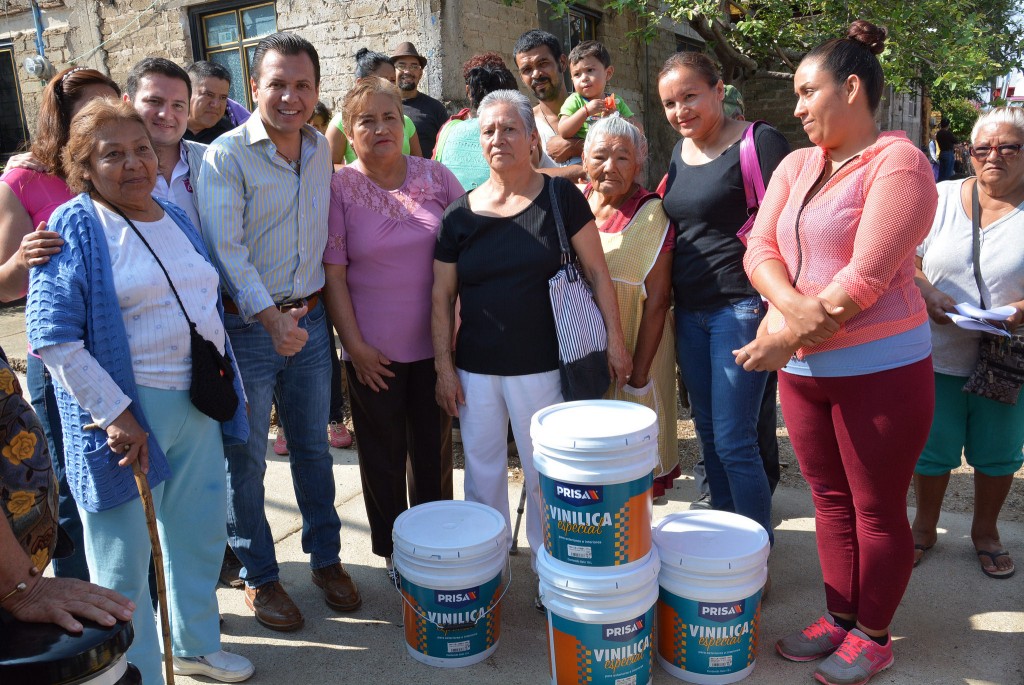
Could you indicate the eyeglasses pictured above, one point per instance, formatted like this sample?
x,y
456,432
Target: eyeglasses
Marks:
x,y
402,66
1008,151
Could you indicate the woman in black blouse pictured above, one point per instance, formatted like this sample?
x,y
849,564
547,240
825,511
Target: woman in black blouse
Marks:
x,y
717,310
497,249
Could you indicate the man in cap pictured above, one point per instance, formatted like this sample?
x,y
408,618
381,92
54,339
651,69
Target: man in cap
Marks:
x,y
427,113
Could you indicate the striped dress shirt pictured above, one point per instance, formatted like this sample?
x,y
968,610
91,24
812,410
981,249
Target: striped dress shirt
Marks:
x,y
264,223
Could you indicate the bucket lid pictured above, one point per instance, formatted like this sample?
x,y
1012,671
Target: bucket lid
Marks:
x,y
715,542
449,530
598,580
594,425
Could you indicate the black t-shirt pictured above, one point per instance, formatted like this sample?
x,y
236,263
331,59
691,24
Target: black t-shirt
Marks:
x,y
208,135
429,116
945,139
503,266
707,205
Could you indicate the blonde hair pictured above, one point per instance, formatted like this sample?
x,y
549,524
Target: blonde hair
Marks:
x,y
84,137
364,89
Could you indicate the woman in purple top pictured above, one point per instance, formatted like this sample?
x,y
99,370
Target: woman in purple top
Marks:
x,y
385,213
27,199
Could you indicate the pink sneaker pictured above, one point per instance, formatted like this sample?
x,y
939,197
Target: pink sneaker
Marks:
x,y
280,444
856,660
819,639
338,435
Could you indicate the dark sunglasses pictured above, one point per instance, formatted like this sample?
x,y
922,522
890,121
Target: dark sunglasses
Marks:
x,y
1008,151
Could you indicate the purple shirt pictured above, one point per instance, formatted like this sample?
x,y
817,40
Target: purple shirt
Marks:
x,y
40,194
386,238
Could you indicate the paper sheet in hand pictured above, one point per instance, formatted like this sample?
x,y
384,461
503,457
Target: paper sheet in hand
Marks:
x,y
977,325
994,314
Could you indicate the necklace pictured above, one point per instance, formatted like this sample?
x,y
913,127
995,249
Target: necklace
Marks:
x,y
293,163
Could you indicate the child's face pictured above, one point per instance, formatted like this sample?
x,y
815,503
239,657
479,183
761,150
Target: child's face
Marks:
x,y
589,77
319,123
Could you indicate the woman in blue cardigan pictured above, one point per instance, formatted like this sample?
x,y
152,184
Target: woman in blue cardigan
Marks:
x,y
103,317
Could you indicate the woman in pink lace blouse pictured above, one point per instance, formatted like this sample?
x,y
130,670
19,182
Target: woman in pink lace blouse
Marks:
x,y
386,209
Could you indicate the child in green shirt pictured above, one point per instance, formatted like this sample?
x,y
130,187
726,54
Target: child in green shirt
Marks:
x,y
590,67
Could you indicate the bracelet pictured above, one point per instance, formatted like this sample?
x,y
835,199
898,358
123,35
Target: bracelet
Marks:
x,y
20,587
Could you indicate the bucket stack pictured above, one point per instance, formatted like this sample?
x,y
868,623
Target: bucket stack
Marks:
x,y
598,569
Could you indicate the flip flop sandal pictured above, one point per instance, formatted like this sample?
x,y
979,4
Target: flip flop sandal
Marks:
x,y
992,556
922,549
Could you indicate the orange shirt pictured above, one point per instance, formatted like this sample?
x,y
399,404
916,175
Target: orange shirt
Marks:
x,y
860,231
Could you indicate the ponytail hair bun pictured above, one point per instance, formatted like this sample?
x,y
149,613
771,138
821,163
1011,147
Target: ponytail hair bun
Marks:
x,y
867,34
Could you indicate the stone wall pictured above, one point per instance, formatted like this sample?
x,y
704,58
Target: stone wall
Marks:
x,y
117,34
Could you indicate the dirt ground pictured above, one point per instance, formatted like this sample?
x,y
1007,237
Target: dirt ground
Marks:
x,y
959,496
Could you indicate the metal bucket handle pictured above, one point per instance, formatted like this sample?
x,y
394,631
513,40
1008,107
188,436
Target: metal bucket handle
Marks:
x,y
468,624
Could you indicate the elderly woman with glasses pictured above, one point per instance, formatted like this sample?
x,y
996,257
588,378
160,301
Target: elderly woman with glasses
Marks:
x,y
988,433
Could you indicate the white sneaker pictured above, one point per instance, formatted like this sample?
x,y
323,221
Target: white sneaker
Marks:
x,y
223,666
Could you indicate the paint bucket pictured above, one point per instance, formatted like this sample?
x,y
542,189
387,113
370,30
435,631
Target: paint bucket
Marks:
x,y
451,557
600,621
595,460
713,568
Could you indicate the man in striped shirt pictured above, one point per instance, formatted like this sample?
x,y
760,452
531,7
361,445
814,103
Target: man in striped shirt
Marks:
x,y
264,193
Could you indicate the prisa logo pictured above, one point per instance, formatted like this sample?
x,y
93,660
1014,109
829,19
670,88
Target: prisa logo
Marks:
x,y
456,598
578,496
719,612
623,632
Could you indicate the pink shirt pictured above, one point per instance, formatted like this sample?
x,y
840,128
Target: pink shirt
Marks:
x,y
40,194
386,238
859,231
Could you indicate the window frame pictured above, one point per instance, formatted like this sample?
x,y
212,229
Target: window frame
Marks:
x,y
199,16
7,47
559,27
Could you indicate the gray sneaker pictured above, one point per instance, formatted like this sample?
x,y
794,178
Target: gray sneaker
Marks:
x,y
702,502
819,639
856,661
223,666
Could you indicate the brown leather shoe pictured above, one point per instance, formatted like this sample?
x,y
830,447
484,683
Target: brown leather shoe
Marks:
x,y
273,607
340,590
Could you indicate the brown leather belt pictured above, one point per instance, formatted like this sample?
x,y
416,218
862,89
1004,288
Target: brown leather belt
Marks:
x,y
311,301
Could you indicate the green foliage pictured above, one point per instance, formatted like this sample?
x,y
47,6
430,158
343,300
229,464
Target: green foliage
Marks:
x,y
961,114
949,47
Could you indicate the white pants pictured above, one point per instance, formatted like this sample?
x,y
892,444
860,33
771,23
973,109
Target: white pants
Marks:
x,y
491,402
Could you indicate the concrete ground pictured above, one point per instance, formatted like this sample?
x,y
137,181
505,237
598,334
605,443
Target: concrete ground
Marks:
x,y
955,626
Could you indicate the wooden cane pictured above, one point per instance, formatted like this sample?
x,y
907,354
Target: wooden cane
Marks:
x,y
158,561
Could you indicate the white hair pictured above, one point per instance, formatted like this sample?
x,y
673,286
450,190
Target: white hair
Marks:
x,y
1000,115
517,100
617,127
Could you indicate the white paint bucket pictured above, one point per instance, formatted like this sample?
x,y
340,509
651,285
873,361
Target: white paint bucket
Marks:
x,y
595,460
600,621
451,556
713,568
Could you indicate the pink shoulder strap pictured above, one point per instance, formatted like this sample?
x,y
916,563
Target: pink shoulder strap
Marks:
x,y
750,168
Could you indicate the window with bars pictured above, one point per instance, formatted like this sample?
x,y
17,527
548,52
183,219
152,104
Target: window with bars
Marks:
x,y
13,129
227,33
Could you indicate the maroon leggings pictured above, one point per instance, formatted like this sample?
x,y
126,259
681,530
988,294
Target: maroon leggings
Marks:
x,y
857,439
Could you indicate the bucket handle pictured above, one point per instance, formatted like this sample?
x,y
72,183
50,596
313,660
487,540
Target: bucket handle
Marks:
x,y
467,624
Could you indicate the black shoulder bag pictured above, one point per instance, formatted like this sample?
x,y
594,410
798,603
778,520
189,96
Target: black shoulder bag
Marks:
x,y
582,336
212,390
999,374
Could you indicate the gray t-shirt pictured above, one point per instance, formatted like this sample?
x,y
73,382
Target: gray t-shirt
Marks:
x,y
947,262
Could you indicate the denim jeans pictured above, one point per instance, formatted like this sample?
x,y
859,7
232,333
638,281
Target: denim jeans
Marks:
x,y
40,387
302,383
726,401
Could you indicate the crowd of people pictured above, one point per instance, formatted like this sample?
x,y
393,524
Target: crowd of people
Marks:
x,y
143,222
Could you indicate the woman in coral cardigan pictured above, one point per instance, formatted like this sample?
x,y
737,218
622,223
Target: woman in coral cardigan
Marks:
x,y
833,251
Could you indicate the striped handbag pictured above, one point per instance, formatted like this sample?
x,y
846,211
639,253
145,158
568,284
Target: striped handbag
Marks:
x,y
582,337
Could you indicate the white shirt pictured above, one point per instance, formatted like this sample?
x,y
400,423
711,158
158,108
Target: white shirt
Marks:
x,y
158,334
546,133
179,190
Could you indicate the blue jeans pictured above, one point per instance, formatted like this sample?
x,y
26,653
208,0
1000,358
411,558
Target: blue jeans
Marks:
x,y
40,387
302,384
726,401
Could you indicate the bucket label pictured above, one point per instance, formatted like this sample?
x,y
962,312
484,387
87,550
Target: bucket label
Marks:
x,y
708,638
601,654
597,525
452,624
